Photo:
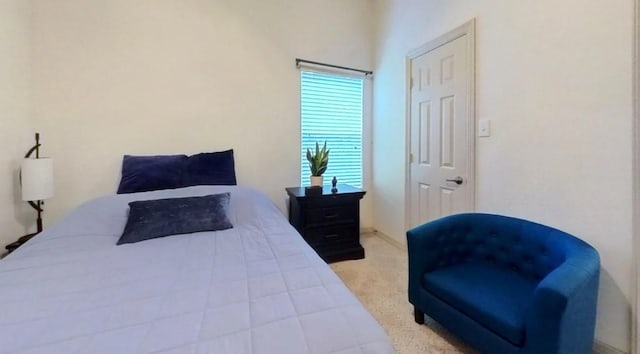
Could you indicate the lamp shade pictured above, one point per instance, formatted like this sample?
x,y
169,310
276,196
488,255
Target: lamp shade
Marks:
x,y
37,179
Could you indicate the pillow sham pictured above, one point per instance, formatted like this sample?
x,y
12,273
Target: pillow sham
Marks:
x,y
155,218
148,173
210,168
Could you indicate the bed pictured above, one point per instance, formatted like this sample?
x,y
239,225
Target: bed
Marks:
x,y
254,288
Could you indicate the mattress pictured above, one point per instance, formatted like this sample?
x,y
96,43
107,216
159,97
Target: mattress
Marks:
x,y
255,288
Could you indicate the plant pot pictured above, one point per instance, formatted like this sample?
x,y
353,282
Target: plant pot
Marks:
x,y
316,181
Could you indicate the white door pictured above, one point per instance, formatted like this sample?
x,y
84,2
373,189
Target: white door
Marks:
x,y
441,130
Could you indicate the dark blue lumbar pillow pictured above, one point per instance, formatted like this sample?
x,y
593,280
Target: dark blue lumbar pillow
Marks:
x,y
148,173
173,216
210,168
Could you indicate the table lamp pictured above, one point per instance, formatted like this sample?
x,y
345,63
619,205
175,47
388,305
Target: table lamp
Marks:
x,y
37,181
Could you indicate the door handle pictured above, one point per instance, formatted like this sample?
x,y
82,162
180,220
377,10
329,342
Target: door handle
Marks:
x,y
458,180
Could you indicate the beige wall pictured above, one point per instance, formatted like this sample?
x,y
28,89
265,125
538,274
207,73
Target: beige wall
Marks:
x,y
554,78
15,132
181,76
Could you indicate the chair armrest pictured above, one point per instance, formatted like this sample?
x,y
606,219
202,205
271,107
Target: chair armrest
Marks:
x,y
563,313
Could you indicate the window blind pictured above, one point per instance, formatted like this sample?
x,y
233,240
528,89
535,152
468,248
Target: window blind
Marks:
x,y
331,111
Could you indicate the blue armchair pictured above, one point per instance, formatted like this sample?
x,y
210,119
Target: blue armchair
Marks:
x,y
505,285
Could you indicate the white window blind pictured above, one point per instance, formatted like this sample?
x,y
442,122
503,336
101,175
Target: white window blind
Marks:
x,y
331,111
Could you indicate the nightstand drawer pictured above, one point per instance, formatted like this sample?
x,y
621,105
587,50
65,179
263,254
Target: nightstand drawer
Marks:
x,y
328,216
342,234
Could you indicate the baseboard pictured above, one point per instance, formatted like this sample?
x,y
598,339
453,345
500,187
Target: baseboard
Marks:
x,y
367,230
393,242
602,348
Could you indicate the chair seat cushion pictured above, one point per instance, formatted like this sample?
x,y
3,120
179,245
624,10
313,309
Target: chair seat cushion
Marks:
x,y
497,298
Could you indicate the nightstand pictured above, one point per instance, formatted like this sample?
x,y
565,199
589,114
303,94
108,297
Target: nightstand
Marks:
x,y
329,222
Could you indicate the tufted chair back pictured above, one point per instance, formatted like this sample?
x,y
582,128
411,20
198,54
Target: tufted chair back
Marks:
x,y
530,249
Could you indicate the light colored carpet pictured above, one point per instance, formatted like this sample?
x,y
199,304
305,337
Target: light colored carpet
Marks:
x,y
380,282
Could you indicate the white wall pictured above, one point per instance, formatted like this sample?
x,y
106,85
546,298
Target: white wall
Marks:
x,y
15,134
555,80
181,76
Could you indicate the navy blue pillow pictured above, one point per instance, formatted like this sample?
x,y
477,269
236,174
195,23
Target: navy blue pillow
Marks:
x,y
148,173
210,168
155,218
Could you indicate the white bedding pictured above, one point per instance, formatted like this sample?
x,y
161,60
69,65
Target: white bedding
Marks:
x,y
256,288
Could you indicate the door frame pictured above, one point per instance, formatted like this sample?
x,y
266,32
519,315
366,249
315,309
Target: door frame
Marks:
x,y
466,30
635,220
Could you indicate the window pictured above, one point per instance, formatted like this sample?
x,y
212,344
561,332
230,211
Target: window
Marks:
x,y
332,110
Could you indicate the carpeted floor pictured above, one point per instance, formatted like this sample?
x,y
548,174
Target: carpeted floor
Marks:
x,y
380,282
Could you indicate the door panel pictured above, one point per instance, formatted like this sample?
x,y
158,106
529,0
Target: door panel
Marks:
x,y
446,201
447,115
423,197
425,126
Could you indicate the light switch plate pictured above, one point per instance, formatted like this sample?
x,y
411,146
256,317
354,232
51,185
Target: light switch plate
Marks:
x,y
484,128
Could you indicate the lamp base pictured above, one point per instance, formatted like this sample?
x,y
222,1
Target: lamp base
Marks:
x,y
22,240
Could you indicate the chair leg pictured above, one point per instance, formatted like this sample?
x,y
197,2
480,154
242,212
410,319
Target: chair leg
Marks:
x,y
418,315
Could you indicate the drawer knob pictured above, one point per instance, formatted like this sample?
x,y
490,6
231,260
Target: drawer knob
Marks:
x,y
331,216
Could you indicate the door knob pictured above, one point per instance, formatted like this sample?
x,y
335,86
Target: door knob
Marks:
x,y
458,180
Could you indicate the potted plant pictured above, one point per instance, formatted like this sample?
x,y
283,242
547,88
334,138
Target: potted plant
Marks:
x,y
318,163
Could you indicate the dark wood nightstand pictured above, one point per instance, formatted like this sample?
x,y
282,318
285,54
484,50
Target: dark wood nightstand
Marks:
x,y
329,222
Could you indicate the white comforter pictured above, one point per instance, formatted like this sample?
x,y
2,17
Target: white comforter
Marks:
x,y
256,288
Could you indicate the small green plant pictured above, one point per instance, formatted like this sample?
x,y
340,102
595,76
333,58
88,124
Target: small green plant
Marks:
x,y
318,162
